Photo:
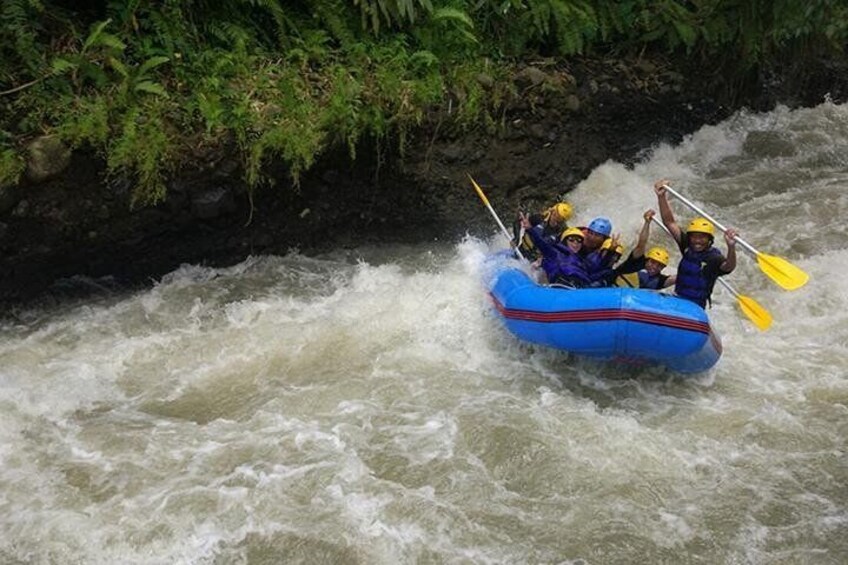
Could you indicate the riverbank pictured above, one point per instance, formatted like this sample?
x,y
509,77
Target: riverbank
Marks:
x,y
75,232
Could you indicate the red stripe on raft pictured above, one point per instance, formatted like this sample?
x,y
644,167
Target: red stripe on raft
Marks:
x,y
716,342
602,315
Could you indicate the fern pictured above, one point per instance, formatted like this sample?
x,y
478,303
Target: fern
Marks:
x,y
313,47
343,111
288,79
283,24
87,124
278,120
394,13
12,166
448,34
335,17
614,18
144,150
576,24
21,52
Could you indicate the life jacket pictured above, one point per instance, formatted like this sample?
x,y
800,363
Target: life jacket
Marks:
x,y
572,267
650,282
628,280
526,245
559,262
564,265
626,272
693,283
599,267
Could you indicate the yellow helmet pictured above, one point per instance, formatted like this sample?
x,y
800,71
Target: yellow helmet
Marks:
x,y
608,243
701,225
563,210
570,232
658,254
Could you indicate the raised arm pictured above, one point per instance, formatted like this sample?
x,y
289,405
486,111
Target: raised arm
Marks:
x,y
730,261
545,247
644,233
665,210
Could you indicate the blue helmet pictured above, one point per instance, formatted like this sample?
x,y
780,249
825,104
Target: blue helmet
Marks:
x,y
601,225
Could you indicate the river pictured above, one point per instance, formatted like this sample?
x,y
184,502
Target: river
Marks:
x,y
366,406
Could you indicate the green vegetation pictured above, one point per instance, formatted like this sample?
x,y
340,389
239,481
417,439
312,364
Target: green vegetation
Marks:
x,y
145,83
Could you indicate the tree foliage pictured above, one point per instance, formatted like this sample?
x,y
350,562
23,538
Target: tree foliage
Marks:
x,y
141,80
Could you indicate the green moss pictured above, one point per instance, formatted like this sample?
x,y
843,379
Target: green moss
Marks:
x,y
12,166
141,82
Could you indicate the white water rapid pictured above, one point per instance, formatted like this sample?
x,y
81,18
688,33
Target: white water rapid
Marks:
x,y
367,407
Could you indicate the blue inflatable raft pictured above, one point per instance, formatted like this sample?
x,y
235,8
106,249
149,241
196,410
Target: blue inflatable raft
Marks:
x,y
633,326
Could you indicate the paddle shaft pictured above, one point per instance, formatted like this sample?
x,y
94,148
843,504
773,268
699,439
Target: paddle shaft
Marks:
x,y
662,225
748,247
494,214
726,285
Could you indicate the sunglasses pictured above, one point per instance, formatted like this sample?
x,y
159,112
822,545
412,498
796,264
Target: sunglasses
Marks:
x,y
574,238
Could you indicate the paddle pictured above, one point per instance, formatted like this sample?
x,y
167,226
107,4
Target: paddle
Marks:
x,y
781,271
492,211
750,307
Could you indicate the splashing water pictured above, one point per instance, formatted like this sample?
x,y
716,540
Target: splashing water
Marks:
x,y
367,407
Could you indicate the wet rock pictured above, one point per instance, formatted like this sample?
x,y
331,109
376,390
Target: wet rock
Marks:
x,y
530,76
514,134
452,153
211,203
178,200
263,241
486,81
646,66
118,187
567,81
22,209
47,156
538,131
519,148
178,186
330,177
8,198
674,77
227,168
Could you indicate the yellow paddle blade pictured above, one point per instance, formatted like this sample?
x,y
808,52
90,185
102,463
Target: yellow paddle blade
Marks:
x,y
479,190
781,271
756,313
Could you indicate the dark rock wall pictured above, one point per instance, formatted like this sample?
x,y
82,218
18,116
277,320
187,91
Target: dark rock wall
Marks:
x,y
566,120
